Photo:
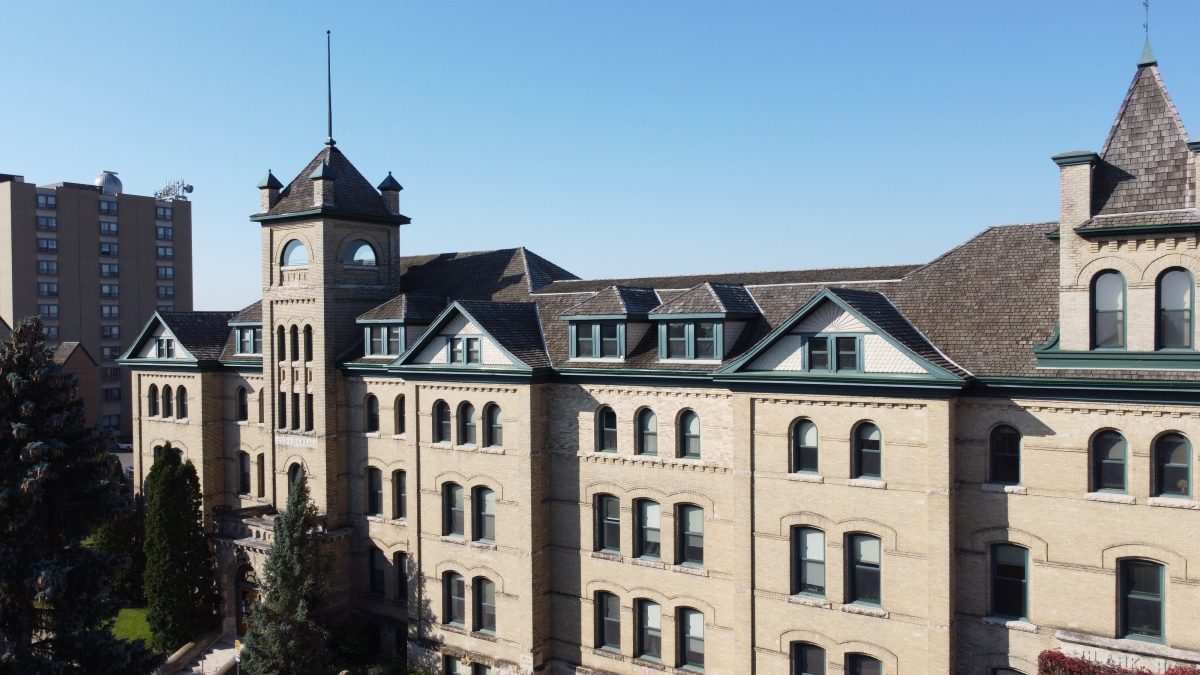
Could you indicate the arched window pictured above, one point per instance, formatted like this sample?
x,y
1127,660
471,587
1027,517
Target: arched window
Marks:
x,y
360,253
1010,581
648,629
181,408
647,432
399,494
308,343
689,535
807,659
1108,311
371,414
152,401
1175,289
484,592
293,477
606,430
243,473
690,623
861,664
261,406
454,599
261,462
295,253
374,490
689,435
483,507
467,427
608,621
805,456
168,401
493,429
243,404
864,558
376,570
1172,466
868,452
607,510
808,561
441,422
1141,599
281,344
1005,455
295,343
399,412
1108,461
647,529
452,509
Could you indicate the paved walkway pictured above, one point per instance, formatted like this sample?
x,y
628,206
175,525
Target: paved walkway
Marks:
x,y
215,660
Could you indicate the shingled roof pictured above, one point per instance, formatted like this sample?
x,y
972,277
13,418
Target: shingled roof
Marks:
x,y
711,298
419,308
617,301
251,314
515,325
353,195
876,308
1144,163
203,334
509,274
835,275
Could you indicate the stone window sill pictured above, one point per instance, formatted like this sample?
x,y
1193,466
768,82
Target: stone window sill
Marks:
x,y
806,477
484,545
1110,497
647,663
873,483
454,628
370,434
1128,646
866,610
1174,502
1005,487
810,601
453,539
400,437
484,635
1011,624
605,555
644,562
608,653
694,570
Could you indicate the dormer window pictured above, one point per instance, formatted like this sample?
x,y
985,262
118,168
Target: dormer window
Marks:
x,y
692,340
597,339
464,350
384,340
164,348
249,340
832,353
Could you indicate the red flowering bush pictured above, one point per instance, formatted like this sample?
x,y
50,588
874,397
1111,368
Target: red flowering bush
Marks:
x,y
1058,663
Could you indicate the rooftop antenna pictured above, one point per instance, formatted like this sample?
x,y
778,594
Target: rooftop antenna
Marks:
x,y
329,87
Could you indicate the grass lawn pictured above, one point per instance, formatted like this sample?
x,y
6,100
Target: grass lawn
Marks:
x,y
131,625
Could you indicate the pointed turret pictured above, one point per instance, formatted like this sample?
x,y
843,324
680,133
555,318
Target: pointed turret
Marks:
x,y
390,189
344,192
269,187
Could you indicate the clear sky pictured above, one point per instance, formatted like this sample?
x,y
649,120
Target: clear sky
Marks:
x,y
614,138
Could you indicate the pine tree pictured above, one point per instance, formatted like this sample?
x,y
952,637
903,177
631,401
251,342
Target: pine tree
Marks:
x,y
284,635
179,580
126,536
57,487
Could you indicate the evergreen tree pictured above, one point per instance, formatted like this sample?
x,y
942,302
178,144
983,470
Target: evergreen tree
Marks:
x,y
179,580
284,635
125,536
56,487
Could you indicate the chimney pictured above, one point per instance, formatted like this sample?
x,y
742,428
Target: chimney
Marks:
x,y
390,189
1075,171
269,191
322,178
1194,189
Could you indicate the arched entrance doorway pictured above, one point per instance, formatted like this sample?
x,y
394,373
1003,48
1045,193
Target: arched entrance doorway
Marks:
x,y
246,584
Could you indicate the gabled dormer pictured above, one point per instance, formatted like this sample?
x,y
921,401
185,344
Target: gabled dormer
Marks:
x,y
1128,234
704,322
607,325
180,339
845,336
246,344
390,328
477,337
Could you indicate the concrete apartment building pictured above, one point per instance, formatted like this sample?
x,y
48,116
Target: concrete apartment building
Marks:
x,y
919,469
93,262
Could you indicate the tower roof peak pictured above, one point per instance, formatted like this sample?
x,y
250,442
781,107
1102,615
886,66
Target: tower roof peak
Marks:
x,y
1147,56
353,195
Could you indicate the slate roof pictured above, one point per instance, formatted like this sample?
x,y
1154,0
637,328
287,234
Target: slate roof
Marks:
x,y
1100,223
203,334
710,298
64,350
515,325
418,308
1144,163
353,195
251,314
504,275
617,300
876,308
836,275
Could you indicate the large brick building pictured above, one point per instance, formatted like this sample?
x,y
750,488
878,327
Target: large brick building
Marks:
x,y
940,468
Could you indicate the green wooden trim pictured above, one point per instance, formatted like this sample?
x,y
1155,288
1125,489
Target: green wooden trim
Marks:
x,y
368,322
597,317
431,332
334,212
831,353
1075,157
1158,311
700,315
689,334
1118,359
1136,229
596,326
245,324
1093,312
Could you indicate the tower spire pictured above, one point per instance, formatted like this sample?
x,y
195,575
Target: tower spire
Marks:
x,y
329,85
1147,54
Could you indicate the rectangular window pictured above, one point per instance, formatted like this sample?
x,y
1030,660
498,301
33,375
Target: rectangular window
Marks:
x,y
452,666
108,248
706,339
485,605
677,342
47,289
374,492
45,245
164,348
48,311
110,353
108,208
51,332
243,473
109,270
112,394
1009,565
47,267
110,332
399,494
376,568
164,213
808,561
47,201
110,311
690,522
649,630
400,565
165,252
308,412
464,350
608,621
865,558
166,308
110,290
282,410
597,340
585,340
164,233
610,340
108,228
110,374
166,292
691,639
608,524
484,527
456,599
452,510
690,340
832,353
1142,600
847,353
47,223
393,340
818,353
295,411
648,529
110,421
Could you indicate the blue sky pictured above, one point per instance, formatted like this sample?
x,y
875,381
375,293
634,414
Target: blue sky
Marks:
x,y
616,139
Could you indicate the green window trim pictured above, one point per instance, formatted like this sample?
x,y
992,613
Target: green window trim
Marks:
x,y
829,349
690,339
1121,315
1104,467
464,351
384,340
596,335
1010,581
1163,314
1165,469
1133,599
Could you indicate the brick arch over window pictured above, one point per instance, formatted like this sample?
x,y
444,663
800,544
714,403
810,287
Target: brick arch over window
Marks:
x,y
1156,267
805,519
1130,271
890,662
1176,563
470,573
598,585
886,534
787,637
994,660
348,243
983,538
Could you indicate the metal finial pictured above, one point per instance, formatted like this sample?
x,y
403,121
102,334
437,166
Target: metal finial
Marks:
x,y
1146,23
329,85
